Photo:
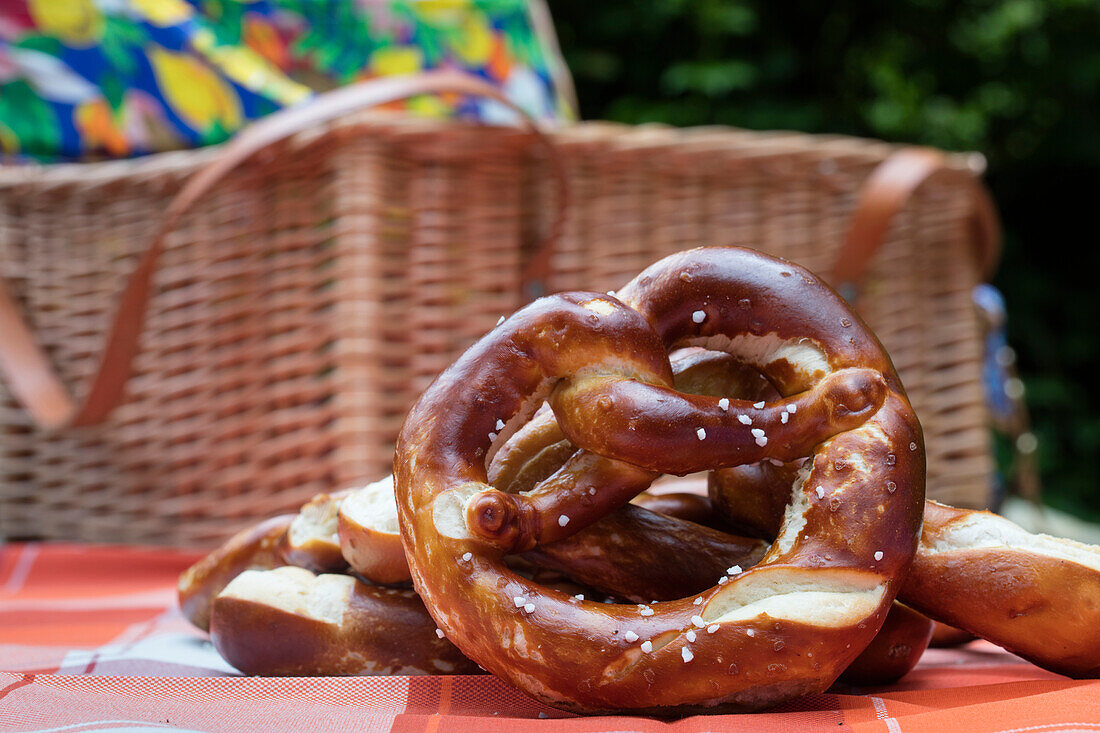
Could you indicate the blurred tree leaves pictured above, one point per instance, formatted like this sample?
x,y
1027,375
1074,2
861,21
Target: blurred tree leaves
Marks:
x,y
1002,76
1018,80
710,78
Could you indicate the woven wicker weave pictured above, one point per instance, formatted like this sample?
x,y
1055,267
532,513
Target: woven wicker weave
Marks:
x,y
303,306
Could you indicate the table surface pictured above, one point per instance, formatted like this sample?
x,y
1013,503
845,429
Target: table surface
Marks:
x,y
91,639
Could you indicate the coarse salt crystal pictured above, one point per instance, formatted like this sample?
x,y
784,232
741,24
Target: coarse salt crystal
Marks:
x,y
724,404
467,556
697,601
563,520
878,555
712,628
750,632
645,611
579,596
784,417
500,424
792,408
439,633
698,316
500,320
723,580
744,419
647,646
686,654
529,608
761,441
492,436
758,405
519,601
757,433
734,570
820,492
690,636
702,433
630,636
698,621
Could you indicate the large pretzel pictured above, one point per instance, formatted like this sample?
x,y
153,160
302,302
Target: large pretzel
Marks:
x,y
617,554
786,627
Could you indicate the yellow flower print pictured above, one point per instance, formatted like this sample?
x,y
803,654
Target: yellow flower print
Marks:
x,y
162,12
247,68
396,60
476,43
194,91
441,12
77,22
9,141
428,105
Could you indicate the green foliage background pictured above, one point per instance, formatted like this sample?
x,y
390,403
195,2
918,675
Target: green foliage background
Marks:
x,y
1018,80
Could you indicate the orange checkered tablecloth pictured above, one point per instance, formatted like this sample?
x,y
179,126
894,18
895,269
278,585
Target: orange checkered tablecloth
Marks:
x,y
91,639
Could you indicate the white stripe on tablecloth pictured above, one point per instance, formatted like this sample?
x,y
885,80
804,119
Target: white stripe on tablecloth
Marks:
x,y
881,713
22,568
151,641
116,725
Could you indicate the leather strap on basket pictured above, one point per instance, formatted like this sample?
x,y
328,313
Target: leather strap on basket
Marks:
x,y
29,373
886,192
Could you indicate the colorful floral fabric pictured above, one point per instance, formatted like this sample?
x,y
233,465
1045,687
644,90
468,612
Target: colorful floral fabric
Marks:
x,y
85,79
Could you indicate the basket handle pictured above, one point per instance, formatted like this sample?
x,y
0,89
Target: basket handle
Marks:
x,y
886,192
30,375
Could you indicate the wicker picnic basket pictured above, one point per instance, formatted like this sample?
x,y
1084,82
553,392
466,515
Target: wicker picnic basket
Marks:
x,y
299,306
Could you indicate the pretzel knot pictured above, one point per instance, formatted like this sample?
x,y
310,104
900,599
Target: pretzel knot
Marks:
x,y
784,628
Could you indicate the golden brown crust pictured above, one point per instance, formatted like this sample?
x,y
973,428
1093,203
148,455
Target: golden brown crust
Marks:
x,y
635,554
681,505
288,622
718,374
840,401
312,540
370,540
944,636
786,627
1036,596
753,498
531,455
894,651
258,547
